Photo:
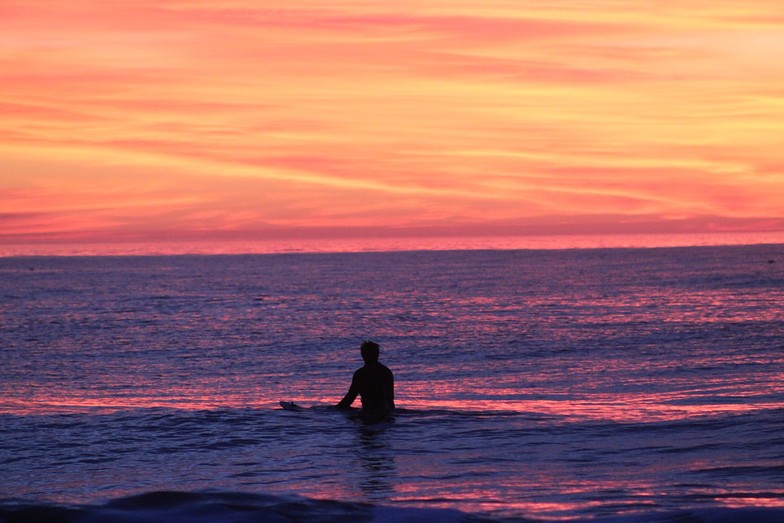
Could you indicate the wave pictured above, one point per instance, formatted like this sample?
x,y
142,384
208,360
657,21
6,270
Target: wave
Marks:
x,y
232,507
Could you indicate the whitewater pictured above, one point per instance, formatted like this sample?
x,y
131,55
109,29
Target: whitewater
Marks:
x,y
587,384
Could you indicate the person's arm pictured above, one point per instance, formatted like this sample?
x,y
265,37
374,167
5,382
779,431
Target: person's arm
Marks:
x,y
390,401
349,398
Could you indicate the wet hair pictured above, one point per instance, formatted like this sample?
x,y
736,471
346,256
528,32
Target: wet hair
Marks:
x,y
369,350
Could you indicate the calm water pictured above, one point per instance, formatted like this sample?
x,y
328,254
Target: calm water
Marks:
x,y
533,384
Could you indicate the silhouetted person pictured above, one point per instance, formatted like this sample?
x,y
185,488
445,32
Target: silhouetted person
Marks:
x,y
374,383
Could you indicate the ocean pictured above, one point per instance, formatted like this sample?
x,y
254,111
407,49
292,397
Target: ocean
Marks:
x,y
589,384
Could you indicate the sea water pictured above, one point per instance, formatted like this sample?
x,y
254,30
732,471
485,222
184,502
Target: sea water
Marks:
x,y
631,384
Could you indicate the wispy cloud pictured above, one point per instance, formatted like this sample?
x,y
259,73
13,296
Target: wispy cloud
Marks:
x,y
244,116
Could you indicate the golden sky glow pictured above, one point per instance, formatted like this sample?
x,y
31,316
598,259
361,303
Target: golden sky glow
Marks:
x,y
142,119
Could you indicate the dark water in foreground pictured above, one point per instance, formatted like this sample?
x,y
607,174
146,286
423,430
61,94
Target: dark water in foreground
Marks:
x,y
618,383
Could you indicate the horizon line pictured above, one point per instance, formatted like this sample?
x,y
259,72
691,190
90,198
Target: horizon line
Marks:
x,y
542,242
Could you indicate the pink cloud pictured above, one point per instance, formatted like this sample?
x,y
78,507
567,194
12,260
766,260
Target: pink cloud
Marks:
x,y
199,116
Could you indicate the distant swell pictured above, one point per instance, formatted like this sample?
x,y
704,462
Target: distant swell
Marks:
x,y
183,507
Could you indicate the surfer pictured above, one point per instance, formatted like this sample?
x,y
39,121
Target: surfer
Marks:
x,y
374,383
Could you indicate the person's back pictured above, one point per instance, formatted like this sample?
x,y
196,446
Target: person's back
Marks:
x,y
374,383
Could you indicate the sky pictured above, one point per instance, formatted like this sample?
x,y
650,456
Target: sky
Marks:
x,y
151,120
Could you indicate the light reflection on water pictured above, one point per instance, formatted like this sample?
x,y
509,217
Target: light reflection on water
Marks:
x,y
555,383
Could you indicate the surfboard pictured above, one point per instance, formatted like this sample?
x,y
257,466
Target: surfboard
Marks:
x,y
289,405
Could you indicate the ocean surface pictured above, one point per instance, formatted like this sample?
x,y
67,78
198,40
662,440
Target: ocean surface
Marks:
x,y
592,384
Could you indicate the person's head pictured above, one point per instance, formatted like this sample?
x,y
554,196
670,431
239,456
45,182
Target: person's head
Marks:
x,y
369,350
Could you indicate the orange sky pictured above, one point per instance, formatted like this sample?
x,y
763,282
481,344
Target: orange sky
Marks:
x,y
245,119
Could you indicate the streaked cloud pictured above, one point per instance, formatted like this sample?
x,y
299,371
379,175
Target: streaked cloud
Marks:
x,y
126,119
